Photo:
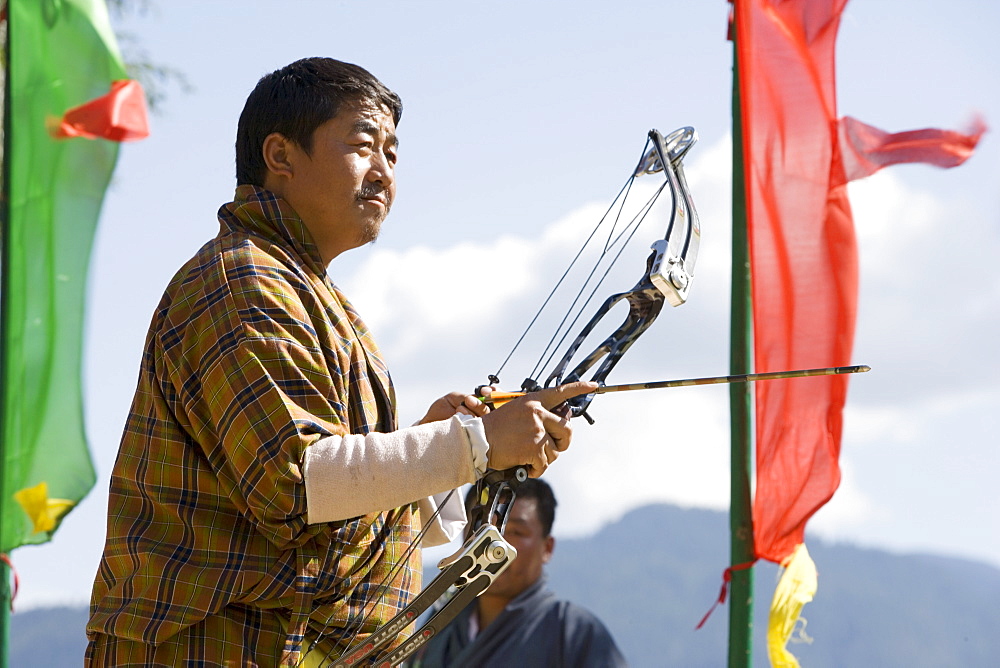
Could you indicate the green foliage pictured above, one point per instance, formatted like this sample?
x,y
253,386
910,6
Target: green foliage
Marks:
x,y
156,78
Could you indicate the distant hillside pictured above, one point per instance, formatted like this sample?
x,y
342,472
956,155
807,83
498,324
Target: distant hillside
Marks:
x,y
49,637
652,575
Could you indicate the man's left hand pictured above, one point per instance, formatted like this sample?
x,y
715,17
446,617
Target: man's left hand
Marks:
x,y
453,403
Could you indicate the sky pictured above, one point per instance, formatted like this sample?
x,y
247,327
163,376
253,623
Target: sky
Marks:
x,y
521,122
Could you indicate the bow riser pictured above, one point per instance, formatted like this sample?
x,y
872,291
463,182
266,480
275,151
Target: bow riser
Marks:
x,y
645,302
668,277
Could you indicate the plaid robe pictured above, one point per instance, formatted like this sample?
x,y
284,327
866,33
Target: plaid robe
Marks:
x,y
252,355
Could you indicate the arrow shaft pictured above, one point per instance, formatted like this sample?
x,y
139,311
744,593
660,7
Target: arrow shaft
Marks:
x,y
503,397
742,378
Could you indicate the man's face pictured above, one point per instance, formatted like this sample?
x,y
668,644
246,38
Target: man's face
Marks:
x,y
524,532
343,188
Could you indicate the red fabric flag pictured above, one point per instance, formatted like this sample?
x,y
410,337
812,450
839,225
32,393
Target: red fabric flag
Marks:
x,y
865,150
798,160
119,116
803,258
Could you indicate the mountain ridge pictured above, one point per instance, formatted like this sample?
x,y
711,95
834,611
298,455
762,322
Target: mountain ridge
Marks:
x,y
652,574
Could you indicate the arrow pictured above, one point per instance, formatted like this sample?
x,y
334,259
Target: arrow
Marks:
x,y
500,398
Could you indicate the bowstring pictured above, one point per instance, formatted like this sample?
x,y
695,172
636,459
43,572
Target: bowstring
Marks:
x,y
608,245
612,240
353,629
634,227
552,293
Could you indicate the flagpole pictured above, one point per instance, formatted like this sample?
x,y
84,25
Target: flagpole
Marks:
x,y
5,592
740,356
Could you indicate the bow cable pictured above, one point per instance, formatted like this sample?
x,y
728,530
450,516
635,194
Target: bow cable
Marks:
x,y
354,629
634,226
612,240
494,378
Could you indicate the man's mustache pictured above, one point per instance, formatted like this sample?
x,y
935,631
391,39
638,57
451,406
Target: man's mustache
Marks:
x,y
373,191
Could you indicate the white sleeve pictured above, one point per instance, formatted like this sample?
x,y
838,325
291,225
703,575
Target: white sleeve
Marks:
x,y
450,520
359,474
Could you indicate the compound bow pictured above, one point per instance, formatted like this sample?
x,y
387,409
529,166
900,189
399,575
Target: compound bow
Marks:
x,y
667,278
668,275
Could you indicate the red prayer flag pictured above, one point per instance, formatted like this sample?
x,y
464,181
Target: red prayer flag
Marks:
x,y
798,159
803,258
804,265
119,116
865,150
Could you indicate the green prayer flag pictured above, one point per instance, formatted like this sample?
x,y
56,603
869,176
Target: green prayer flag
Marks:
x,y
62,54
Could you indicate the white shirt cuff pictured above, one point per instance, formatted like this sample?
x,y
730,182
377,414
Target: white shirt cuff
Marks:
x,y
476,432
451,518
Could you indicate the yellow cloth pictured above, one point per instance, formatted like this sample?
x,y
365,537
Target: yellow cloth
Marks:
x,y
796,587
44,512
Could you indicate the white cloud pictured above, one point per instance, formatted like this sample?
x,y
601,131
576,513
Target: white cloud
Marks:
x,y
656,446
874,425
673,446
419,295
889,217
929,304
849,508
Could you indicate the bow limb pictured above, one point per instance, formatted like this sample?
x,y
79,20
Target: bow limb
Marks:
x,y
484,555
668,275
675,255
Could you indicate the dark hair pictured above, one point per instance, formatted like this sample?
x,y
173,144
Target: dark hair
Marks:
x,y
545,501
297,99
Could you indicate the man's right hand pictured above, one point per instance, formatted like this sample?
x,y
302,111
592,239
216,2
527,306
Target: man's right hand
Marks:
x,y
526,431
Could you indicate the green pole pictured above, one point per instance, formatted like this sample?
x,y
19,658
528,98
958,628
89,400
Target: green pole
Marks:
x,y
740,356
6,595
